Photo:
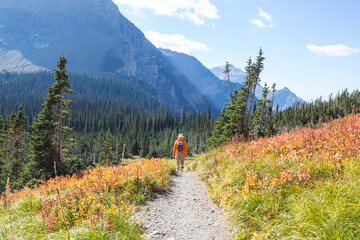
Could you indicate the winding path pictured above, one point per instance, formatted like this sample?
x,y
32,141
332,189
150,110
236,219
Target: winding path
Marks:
x,y
184,212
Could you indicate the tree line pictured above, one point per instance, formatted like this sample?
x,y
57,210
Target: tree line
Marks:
x,y
318,111
85,123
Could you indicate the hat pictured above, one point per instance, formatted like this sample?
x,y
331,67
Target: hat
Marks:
x,y
181,136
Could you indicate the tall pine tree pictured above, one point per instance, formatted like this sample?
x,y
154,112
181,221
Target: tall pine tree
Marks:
x,y
107,154
227,78
18,155
257,68
60,89
46,142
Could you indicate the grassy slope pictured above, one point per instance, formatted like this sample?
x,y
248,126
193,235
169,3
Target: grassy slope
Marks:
x,y
303,184
97,204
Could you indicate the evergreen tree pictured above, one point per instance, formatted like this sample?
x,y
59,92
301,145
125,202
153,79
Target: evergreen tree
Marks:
x,y
17,156
264,106
183,115
135,148
234,120
260,125
255,80
145,146
233,115
107,154
227,78
247,87
6,138
20,123
4,173
46,144
43,150
60,88
209,113
270,118
218,136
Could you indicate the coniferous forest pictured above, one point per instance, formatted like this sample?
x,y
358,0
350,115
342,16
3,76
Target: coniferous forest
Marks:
x,y
102,117
318,111
81,121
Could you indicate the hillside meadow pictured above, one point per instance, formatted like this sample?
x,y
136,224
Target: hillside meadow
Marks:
x,y
93,204
302,184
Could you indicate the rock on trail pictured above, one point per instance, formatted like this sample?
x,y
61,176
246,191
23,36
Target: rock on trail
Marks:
x,y
184,212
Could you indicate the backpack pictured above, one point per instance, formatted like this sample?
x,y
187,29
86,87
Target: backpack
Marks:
x,y
179,146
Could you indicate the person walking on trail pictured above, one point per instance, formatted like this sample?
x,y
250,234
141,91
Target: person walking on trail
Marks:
x,y
180,151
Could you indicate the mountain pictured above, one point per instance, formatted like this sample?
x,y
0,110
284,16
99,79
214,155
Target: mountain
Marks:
x,y
236,74
283,97
14,61
201,77
96,38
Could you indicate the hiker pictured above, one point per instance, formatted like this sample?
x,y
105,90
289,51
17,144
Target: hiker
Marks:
x,y
180,151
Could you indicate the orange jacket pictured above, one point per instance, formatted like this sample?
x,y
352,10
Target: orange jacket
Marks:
x,y
175,147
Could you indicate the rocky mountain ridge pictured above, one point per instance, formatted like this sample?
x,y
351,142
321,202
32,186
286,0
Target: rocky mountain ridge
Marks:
x,y
99,40
96,38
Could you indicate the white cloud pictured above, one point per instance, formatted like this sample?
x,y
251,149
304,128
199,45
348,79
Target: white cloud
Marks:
x,y
338,50
175,42
264,14
265,22
258,23
196,11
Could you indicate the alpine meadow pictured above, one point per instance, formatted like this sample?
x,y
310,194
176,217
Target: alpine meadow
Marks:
x,y
175,120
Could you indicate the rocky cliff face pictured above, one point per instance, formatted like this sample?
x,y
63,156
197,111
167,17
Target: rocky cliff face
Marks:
x,y
96,38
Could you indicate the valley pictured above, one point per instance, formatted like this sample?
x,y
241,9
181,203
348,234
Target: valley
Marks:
x,y
97,97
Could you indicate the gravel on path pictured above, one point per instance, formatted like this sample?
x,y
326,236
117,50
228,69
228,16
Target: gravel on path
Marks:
x,y
184,212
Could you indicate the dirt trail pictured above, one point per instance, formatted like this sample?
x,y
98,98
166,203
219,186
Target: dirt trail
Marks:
x,y
185,212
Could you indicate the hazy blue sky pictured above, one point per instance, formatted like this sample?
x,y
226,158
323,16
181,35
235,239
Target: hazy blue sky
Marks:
x,y
311,47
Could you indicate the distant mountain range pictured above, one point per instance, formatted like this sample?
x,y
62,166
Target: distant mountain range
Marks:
x,y
99,40
96,38
283,97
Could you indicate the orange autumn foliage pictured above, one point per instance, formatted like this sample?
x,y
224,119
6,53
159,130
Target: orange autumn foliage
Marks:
x,y
303,157
91,195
